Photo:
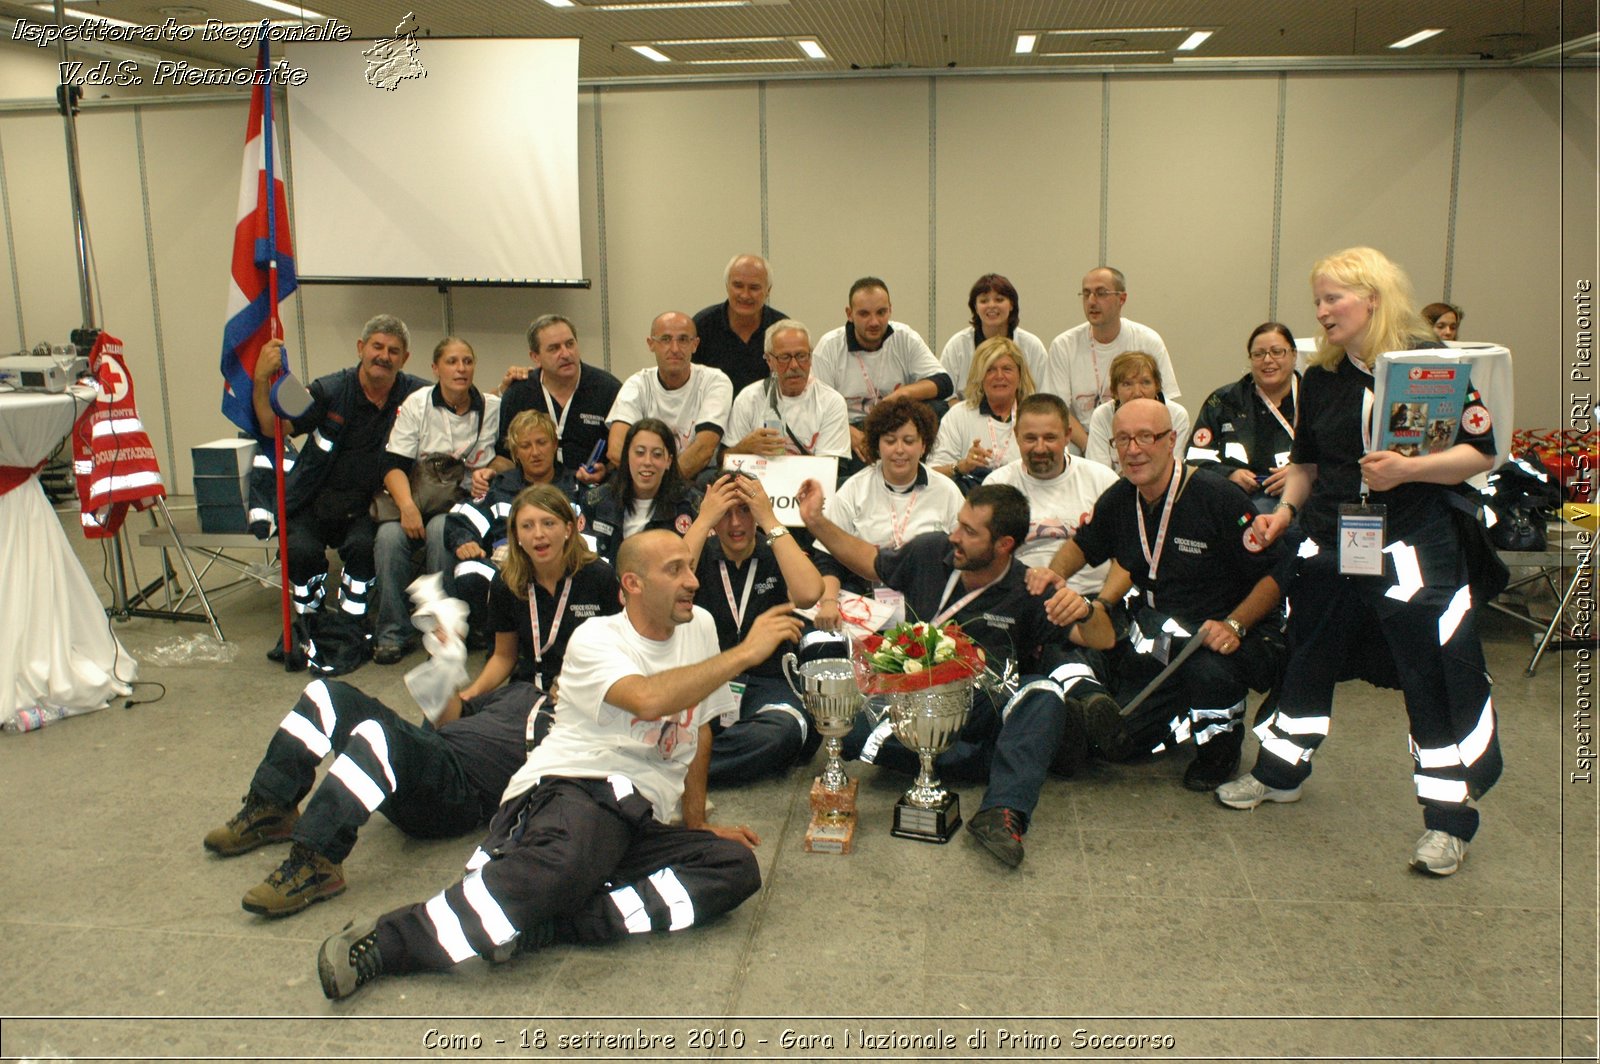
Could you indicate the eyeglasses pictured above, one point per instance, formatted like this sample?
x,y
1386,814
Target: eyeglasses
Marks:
x,y
667,340
1279,353
1122,440
1098,293
785,361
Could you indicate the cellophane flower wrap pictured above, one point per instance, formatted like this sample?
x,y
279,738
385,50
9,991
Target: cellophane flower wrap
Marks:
x,y
914,656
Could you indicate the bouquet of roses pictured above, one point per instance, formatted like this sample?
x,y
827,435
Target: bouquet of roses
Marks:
x,y
913,655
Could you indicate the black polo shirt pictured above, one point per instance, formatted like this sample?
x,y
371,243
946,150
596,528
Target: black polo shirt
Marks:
x,y
744,361
1205,568
1329,437
767,589
359,460
595,593
586,424
1004,619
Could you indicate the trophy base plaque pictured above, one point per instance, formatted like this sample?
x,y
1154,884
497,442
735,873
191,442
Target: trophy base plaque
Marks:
x,y
833,818
938,824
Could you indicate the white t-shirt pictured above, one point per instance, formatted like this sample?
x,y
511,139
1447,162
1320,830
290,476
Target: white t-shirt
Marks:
x,y
1078,367
864,377
702,403
1056,508
817,417
956,358
867,508
962,424
1099,429
423,427
592,739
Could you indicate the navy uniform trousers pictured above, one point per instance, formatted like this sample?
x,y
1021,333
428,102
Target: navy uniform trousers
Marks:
x,y
1429,649
773,731
585,859
382,763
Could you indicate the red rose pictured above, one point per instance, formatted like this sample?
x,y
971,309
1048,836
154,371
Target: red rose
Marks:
x,y
904,639
873,643
915,650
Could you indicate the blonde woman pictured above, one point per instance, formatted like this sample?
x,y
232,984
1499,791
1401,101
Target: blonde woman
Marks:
x,y
978,434
1412,627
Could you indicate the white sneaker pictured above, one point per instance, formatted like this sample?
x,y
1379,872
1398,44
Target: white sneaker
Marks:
x,y
1247,792
1438,853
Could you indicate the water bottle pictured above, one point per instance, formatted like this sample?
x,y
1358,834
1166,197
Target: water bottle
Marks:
x,y
30,719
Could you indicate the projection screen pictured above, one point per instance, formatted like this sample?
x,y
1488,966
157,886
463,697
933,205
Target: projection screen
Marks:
x,y
466,173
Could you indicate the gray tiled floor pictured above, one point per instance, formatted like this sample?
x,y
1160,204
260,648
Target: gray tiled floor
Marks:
x,y
1266,934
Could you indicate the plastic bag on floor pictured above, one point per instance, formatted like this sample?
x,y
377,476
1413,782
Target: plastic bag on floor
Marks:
x,y
200,649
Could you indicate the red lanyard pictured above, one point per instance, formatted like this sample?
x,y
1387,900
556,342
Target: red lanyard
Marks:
x,y
1153,559
1294,396
943,614
897,526
555,623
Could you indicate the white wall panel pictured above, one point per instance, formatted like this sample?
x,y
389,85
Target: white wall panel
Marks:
x,y
1026,205
1505,276
848,191
683,196
1190,216
1367,162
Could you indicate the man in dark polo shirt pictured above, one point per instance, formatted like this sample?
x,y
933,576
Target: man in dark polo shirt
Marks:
x,y
747,562
971,576
577,397
329,490
732,332
1184,538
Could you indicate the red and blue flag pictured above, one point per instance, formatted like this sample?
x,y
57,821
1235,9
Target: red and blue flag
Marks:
x,y
263,259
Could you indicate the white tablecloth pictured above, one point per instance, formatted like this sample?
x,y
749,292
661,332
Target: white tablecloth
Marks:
x,y
58,650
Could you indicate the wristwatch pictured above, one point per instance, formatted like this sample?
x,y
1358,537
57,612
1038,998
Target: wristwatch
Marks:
x,y
777,534
1238,629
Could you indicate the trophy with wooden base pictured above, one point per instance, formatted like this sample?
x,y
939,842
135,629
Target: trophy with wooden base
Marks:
x,y
828,689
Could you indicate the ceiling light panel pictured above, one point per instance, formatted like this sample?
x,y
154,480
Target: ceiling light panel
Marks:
x,y
1415,38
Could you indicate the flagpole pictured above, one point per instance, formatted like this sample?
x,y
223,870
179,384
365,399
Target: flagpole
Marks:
x,y
275,332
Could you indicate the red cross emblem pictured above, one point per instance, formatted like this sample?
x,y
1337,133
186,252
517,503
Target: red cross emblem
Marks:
x,y
1476,421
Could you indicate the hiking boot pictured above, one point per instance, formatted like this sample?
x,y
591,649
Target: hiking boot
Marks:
x,y
304,877
349,960
1439,853
1102,720
1073,750
1000,831
1247,792
256,824
1214,762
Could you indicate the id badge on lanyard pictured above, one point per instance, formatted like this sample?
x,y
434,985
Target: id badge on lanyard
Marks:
x,y
731,717
1362,524
1361,538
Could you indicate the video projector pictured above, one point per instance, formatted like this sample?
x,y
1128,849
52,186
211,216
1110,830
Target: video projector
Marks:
x,y
44,369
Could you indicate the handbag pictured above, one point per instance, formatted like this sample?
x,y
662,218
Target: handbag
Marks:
x,y
436,485
438,481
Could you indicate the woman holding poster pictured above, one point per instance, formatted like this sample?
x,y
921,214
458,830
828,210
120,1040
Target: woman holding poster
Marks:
x,y
1380,592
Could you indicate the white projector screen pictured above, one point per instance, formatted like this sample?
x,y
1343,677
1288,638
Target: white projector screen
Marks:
x,y
467,174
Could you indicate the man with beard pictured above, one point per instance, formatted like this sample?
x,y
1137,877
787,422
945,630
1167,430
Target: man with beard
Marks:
x,y
971,576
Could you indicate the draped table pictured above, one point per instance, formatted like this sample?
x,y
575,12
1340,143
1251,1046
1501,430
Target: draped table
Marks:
x,y
58,651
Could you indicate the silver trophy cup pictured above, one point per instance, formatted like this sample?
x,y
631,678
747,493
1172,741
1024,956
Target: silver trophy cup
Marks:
x,y
927,722
828,689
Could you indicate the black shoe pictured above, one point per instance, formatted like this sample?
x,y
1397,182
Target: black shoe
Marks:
x,y
1102,719
388,653
1000,831
349,960
1215,763
1073,749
